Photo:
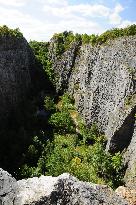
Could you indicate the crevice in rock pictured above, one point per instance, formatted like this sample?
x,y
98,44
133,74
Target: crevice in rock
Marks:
x,y
67,69
123,136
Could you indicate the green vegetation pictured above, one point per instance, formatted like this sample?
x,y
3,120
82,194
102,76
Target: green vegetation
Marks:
x,y
116,32
62,122
109,35
63,40
81,153
5,31
49,104
130,100
87,162
41,51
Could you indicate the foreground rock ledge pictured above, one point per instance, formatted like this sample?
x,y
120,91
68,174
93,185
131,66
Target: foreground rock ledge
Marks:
x,y
62,190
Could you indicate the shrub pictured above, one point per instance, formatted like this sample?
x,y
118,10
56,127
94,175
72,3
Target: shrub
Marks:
x,y
62,122
4,30
67,102
63,152
41,52
88,163
49,104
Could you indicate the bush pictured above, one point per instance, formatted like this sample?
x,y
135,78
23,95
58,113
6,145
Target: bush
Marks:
x,y
62,122
49,104
88,163
63,152
67,102
66,153
63,40
90,135
4,30
41,52
115,33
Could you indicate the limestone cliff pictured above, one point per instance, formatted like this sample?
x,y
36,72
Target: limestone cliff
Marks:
x,y
21,81
102,80
20,75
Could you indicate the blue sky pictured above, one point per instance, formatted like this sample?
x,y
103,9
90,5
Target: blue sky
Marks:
x,y
40,19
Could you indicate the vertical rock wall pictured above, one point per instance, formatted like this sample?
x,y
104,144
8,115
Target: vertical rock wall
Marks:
x,y
19,74
103,83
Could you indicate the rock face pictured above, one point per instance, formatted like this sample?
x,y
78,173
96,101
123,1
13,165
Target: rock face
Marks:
x,y
62,190
102,80
19,74
22,82
7,188
127,193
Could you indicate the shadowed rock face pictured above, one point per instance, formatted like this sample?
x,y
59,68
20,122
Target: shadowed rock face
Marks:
x,y
22,81
15,79
103,83
47,190
19,73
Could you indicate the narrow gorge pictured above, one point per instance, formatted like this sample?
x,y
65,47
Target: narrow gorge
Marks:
x,y
68,109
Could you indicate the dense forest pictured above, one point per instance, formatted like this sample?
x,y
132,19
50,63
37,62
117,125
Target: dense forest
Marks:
x,y
56,139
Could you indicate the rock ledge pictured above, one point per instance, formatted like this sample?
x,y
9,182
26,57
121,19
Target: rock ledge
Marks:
x,y
62,190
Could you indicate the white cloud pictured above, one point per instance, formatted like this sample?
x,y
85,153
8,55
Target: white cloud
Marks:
x,y
16,3
56,2
126,23
81,17
118,8
35,29
57,16
115,17
81,26
30,26
80,9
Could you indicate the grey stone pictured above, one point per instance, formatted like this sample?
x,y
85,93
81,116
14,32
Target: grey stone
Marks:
x,y
7,188
19,74
62,190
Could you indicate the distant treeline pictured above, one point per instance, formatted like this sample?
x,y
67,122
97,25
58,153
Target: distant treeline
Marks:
x,y
67,37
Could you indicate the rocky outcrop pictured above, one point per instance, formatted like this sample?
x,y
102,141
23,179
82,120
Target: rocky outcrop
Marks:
x,y
64,67
103,83
22,81
20,75
62,190
7,188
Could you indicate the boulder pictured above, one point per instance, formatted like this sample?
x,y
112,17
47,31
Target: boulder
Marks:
x,y
62,190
